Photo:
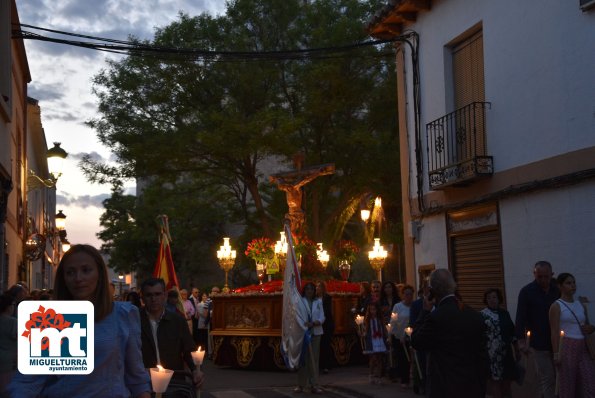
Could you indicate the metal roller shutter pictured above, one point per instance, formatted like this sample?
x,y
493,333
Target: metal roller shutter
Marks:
x,y
477,265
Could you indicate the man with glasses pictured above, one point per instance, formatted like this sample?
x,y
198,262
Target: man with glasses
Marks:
x,y
165,337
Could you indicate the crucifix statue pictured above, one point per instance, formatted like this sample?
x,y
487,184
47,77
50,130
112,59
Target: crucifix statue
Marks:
x,y
292,182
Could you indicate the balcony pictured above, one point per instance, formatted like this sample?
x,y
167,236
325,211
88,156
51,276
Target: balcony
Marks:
x,y
457,152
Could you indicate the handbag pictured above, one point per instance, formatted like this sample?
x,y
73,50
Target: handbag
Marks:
x,y
589,338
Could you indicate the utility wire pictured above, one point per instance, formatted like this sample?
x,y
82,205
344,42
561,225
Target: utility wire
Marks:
x,y
134,48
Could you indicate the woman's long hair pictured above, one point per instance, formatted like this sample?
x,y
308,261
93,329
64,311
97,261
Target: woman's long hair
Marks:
x,y
102,300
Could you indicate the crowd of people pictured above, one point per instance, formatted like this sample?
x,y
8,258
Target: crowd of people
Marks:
x,y
436,343
443,348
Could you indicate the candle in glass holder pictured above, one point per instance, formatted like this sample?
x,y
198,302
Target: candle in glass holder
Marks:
x,y
359,319
408,331
160,378
198,356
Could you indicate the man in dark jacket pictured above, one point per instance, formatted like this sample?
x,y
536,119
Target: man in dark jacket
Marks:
x,y
532,315
165,336
453,336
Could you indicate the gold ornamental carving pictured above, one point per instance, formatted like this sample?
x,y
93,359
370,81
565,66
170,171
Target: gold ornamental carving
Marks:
x,y
341,346
247,316
245,348
275,344
217,341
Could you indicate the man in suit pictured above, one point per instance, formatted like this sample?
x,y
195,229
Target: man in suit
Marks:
x,y
453,336
165,337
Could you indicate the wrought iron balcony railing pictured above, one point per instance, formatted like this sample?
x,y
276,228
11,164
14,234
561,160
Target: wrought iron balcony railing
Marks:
x,y
457,152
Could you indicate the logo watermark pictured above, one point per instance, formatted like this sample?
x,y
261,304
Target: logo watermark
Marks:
x,y
56,337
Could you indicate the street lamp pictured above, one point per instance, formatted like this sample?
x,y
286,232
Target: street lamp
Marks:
x,y
56,156
227,258
65,245
60,221
377,257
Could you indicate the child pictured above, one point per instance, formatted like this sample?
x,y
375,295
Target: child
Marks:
x,y
375,335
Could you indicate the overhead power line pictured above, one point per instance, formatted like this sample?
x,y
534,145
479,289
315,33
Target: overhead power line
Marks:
x,y
134,48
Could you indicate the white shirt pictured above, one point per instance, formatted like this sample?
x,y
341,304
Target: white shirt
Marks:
x,y
568,322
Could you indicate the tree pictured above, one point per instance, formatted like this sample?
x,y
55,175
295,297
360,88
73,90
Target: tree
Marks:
x,y
178,120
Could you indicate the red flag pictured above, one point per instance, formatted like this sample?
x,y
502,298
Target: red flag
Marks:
x,y
164,266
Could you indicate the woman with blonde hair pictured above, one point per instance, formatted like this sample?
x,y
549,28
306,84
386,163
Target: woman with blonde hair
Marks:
x,y
118,370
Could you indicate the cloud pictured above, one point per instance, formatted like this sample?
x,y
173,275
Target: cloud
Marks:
x,y
45,92
94,156
83,201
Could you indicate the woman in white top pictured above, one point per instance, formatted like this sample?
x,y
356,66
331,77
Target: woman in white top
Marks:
x,y
308,370
576,370
398,326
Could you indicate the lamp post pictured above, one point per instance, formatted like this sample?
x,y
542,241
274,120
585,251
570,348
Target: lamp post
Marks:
x,y
227,258
377,257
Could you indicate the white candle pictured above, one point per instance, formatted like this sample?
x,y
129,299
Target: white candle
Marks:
x,y
408,331
198,356
394,316
560,343
160,378
389,328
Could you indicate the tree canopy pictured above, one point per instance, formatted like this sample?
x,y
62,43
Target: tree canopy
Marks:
x,y
200,134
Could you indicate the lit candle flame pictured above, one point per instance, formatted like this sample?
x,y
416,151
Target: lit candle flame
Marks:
x,y
159,368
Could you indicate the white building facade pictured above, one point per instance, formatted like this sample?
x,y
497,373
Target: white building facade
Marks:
x,y
497,139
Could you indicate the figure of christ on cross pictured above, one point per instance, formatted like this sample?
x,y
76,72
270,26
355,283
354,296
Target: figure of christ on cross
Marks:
x,y
292,182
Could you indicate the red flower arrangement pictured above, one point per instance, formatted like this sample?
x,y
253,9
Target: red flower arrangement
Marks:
x,y
261,250
345,250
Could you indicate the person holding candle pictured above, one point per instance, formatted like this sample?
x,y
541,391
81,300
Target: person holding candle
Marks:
x,y
398,325
453,335
118,371
533,306
165,337
375,337
500,338
568,323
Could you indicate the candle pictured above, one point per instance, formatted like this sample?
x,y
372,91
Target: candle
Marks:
x,y
408,330
528,339
389,328
160,378
359,319
560,343
394,316
198,356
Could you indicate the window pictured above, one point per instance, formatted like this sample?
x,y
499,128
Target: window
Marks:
x,y
468,88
